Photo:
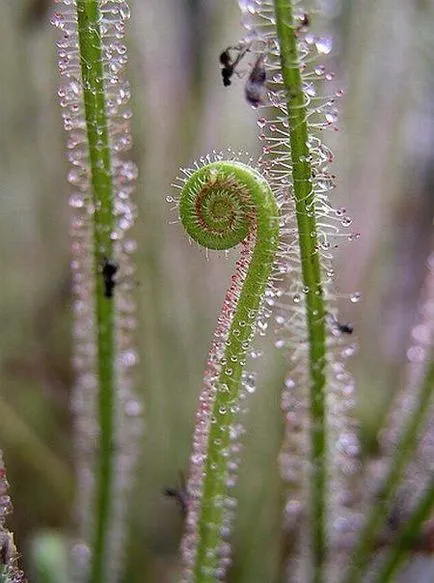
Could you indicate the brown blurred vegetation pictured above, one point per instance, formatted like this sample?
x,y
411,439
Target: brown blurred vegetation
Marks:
x,y
385,178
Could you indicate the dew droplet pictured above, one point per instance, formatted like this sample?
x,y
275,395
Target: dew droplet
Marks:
x,y
133,408
331,116
324,45
416,354
76,200
289,383
355,297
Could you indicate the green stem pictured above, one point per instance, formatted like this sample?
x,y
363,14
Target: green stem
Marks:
x,y
404,449
218,197
407,536
91,55
311,274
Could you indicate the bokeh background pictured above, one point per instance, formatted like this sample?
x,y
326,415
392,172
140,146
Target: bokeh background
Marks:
x,y
383,58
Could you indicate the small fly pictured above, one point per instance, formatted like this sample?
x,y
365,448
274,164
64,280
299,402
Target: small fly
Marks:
x,y
230,64
109,270
255,89
179,494
344,328
304,21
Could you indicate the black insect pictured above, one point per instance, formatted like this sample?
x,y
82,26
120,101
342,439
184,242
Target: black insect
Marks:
x,y
255,89
109,270
230,64
344,328
179,494
304,20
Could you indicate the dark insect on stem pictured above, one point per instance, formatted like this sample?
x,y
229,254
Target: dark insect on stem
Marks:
x,y
304,20
255,89
109,270
230,64
179,494
344,328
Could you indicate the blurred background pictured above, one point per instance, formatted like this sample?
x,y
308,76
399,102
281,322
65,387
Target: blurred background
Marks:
x,y
383,59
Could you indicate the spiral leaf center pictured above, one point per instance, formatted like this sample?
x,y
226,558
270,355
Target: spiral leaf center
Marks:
x,y
216,208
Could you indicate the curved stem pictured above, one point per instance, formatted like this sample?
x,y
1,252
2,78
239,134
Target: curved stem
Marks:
x,y
311,274
407,536
404,449
91,56
238,196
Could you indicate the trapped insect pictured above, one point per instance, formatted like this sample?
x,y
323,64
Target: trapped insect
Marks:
x,y
255,89
179,494
344,328
109,270
304,22
229,64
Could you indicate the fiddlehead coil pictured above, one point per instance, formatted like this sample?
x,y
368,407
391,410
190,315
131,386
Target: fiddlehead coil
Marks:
x,y
217,207
223,204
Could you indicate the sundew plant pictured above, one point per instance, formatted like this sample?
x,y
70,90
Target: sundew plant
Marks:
x,y
348,512
93,98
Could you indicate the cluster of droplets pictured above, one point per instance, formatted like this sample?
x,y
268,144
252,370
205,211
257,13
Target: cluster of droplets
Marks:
x,y
290,316
9,571
123,175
